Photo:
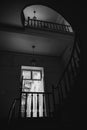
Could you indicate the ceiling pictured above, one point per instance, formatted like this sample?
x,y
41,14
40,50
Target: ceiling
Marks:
x,y
46,43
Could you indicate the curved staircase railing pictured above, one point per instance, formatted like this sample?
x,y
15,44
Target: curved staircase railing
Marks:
x,y
70,74
64,85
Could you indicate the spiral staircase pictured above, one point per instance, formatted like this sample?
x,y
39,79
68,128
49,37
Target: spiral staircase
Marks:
x,y
61,94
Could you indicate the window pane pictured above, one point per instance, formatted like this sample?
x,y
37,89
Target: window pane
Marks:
x,y
26,85
26,74
36,75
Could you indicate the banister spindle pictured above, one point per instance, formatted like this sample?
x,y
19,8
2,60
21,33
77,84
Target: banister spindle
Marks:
x,y
53,92
61,92
76,68
31,104
25,105
43,105
68,76
72,70
59,97
27,22
77,50
65,83
48,103
37,104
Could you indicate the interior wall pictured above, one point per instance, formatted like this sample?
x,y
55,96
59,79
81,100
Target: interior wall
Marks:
x,y
10,66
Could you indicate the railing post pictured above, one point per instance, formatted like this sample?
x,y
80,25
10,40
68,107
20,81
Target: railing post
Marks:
x,y
65,84
28,22
48,104
43,105
25,105
77,49
72,70
37,104
68,75
31,104
53,92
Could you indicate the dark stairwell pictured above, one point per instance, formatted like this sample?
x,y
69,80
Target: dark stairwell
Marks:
x,y
65,96
66,111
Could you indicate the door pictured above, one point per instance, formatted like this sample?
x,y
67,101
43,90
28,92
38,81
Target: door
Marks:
x,y
32,103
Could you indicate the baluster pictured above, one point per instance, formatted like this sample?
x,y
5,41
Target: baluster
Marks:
x,y
47,26
31,104
68,28
31,23
51,26
68,76
76,68
28,21
63,88
72,70
59,95
34,23
37,23
65,83
37,104
25,105
64,27
41,24
57,26
53,92
43,105
61,92
77,50
48,103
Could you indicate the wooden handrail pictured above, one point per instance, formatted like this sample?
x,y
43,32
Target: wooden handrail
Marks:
x,y
66,68
12,108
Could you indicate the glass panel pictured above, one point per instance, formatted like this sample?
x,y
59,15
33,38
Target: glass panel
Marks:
x,y
26,74
36,75
26,85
